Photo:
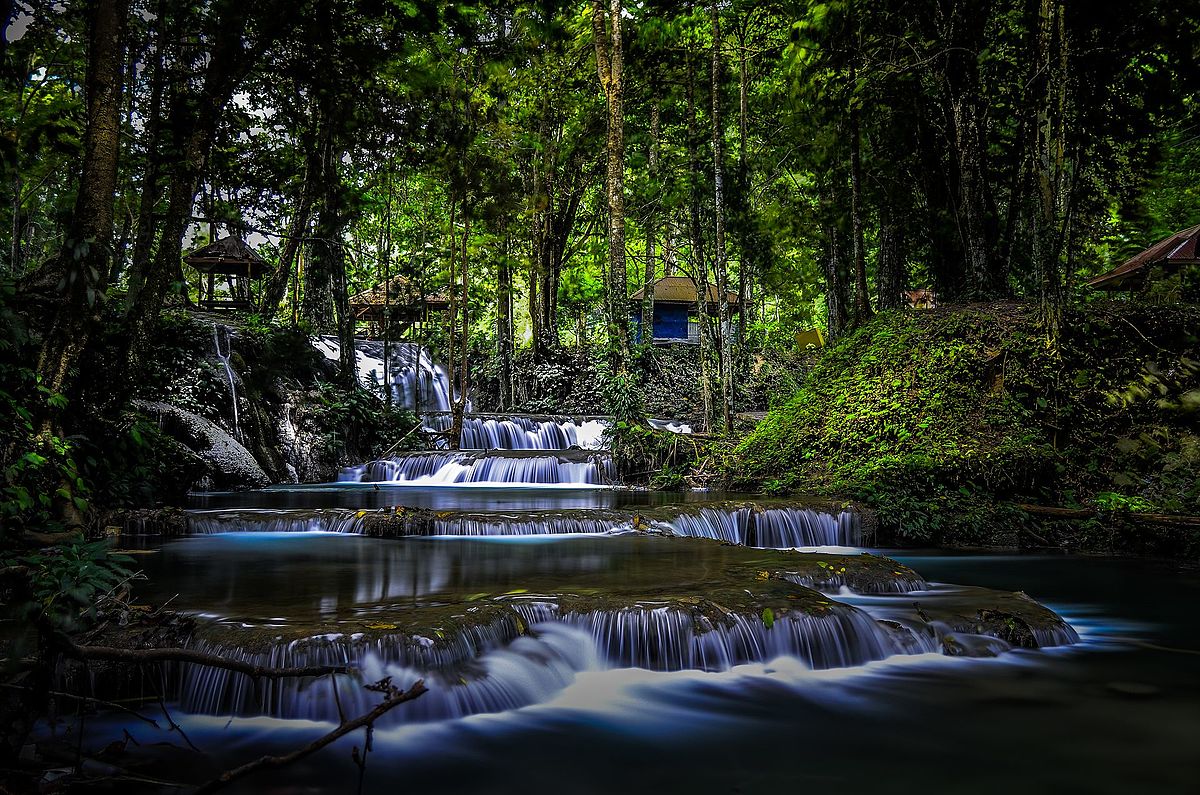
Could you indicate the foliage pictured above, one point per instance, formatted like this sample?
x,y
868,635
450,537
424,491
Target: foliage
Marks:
x,y
935,417
67,583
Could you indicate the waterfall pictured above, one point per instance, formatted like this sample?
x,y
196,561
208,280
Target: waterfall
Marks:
x,y
524,657
770,528
417,382
746,525
221,331
670,639
274,521
447,468
524,432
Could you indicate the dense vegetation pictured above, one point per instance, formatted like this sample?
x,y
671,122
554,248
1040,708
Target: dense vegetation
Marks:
x,y
944,421
533,165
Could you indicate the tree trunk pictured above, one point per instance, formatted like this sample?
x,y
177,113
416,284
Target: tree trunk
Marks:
x,y
862,300
1051,162
143,243
720,263
504,335
890,270
276,286
610,65
460,401
699,265
835,291
969,157
647,311
746,266
84,261
319,276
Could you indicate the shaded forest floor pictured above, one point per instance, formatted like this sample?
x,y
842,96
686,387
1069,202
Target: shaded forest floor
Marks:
x,y
944,422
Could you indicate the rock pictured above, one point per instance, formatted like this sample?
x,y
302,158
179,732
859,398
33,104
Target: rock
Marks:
x,y
229,464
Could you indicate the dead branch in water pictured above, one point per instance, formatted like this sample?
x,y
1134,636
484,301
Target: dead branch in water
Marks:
x,y
395,698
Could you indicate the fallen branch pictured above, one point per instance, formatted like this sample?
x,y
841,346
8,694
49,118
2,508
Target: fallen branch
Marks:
x,y
86,700
394,699
138,656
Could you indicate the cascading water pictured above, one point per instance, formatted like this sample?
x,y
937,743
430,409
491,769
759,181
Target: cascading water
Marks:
x,y
449,468
524,432
416,381
223,333
770,528
745,525
526,657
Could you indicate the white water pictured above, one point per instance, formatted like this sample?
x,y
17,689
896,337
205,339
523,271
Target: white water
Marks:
x,y
417,382
219,332
449,468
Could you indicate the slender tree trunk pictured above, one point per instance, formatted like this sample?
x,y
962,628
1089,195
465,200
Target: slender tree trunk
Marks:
x,y
699,263
746,266
460,402
610,65
504,340
862,300
647,312
276,286
720,262
455,439
143,243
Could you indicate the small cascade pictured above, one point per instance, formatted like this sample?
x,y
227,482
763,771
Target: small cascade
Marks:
x,y
668,639
519,432
448,468
674,426
416,381
526,657
223,334
487,526
770,528
274,521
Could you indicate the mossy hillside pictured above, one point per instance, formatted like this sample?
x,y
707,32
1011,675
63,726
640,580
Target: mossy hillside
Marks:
x,y
940,419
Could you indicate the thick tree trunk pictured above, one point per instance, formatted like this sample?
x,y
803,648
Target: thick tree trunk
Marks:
x,y
720,261
969,157
321,267
84,261
610,65
836,317
1050,219
464,370
890,271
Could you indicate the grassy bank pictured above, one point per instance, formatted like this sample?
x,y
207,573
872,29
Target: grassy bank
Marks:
x,y
944,421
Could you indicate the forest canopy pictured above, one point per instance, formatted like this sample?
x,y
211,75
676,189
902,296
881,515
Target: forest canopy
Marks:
x,y
533,165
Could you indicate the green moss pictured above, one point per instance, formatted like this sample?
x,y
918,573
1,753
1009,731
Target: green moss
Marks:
x,y
939,419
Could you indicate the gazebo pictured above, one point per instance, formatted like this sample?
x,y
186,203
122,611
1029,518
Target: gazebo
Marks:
x,y
233,258
675,300
1168,255
399,302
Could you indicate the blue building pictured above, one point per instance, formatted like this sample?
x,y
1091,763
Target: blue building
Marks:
x,y
676,309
